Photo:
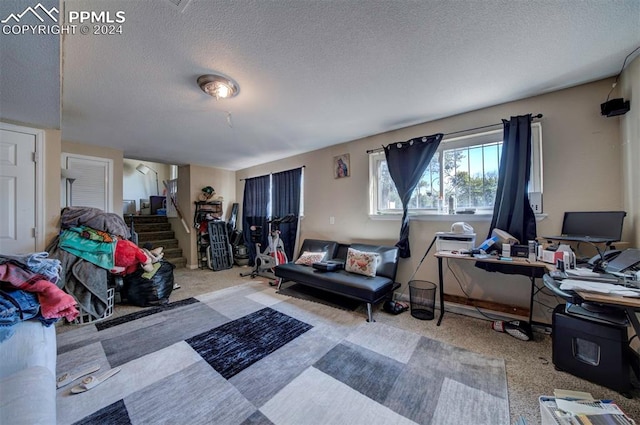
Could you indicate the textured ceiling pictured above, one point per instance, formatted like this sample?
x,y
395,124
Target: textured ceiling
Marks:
x,y
316,73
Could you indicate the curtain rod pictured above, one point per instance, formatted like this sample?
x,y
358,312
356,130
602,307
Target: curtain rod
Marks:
x,y
255,177
533,117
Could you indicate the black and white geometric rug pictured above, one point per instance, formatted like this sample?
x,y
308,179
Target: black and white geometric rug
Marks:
x,y
248,355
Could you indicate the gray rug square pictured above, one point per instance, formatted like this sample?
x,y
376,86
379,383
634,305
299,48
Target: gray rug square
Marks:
x,y
363,370
457,402
434,358
176,326
315,398
196,395
275,371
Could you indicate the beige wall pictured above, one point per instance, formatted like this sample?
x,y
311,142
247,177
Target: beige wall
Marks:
x,y
629,89
582,171
191,180
52,150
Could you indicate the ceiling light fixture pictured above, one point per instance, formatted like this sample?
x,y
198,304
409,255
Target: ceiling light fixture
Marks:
x,y
218,86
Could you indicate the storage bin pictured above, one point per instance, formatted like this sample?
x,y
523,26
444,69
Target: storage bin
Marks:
x,y
85,318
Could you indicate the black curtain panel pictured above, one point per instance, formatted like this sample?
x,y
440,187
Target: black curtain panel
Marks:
x,y
254,212
406,162
512,211
286,200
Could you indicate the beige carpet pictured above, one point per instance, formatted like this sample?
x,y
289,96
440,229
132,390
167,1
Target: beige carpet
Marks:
x,y
530,372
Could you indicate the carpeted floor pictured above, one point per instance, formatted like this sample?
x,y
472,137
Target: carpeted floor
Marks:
x,y
181,369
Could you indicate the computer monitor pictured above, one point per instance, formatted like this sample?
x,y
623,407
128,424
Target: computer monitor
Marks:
x,y
594,224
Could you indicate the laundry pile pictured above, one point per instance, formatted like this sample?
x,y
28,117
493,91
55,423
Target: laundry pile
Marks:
x,y
28,291
93,245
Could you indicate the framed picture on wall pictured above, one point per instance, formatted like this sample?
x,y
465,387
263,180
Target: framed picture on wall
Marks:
x,y
341,166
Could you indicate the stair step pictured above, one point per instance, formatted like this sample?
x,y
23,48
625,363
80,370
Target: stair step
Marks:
x,y
165,243
179,262
154,236
145,219
172,252
151,227
156,230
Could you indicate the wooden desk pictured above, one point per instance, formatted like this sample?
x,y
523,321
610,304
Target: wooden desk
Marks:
x,y
521,262
629,304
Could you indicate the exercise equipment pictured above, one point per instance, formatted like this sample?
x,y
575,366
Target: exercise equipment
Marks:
x,y
273,254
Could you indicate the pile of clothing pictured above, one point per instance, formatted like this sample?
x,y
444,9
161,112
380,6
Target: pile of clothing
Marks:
x,y
91,246
85,269
28,290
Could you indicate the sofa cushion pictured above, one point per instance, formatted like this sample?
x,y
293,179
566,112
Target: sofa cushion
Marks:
x,y
388,264
360,262
318,245
308,258
363,288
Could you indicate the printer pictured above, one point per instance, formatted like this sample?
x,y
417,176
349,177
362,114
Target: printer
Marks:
x,y
460,238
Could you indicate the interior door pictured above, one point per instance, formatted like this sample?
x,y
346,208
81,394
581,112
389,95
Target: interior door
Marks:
x,y
17,192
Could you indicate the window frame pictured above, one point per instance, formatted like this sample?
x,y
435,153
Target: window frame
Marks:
x,y
456,142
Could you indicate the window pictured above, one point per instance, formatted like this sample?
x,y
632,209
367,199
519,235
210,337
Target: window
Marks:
x,y
463,176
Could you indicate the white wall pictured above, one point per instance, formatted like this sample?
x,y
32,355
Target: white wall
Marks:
x,y
136,186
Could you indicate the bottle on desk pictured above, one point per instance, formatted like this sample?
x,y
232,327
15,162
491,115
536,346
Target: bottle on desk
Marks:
x,y
532,251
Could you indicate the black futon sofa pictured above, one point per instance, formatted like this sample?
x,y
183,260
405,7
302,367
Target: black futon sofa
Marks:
x,y
370,290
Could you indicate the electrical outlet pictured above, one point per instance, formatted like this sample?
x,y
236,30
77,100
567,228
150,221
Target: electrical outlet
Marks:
x,y
332,220
535,199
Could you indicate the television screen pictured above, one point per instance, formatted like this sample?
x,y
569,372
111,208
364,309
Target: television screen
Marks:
x,y
595,224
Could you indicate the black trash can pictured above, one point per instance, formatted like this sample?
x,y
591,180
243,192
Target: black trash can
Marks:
x,y
422,296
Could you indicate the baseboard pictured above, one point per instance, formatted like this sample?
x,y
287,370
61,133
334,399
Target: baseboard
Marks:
x,y
471,311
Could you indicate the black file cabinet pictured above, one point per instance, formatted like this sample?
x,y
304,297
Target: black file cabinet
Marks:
x,y
596,351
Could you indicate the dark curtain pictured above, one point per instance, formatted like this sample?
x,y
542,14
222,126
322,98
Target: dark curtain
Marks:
x,y
254,212
406,162
512,211
286,200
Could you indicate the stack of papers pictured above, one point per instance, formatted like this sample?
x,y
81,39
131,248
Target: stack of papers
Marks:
x,y
578,408
581,272
599,287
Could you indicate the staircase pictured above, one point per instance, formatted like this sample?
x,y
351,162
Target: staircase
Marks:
x,y
156,229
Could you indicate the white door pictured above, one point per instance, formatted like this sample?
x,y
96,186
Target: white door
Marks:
x,y
17,192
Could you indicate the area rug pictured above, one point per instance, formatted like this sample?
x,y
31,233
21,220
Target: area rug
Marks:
x,y
249,355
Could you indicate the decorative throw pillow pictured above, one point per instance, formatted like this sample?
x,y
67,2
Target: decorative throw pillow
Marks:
x,y
308,258
361,262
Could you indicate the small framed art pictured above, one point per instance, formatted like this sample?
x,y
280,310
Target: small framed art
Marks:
x,y
341,166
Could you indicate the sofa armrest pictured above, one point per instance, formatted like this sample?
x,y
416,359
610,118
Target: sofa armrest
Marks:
x,y
28,397
32,344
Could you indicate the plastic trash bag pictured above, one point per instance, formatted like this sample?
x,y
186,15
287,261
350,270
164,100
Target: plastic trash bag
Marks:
x,y
144,292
